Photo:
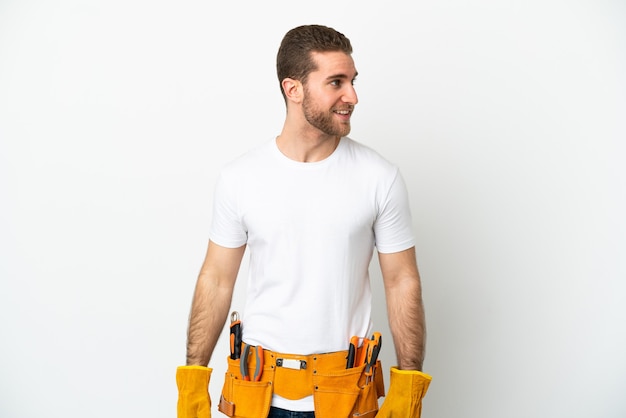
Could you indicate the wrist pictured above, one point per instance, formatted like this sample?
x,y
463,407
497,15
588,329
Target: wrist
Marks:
x,y
194,367
410,366
397,371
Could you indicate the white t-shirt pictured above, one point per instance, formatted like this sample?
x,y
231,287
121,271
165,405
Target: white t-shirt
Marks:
x,y
310,229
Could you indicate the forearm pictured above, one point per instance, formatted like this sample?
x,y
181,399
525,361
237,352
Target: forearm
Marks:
x,y
405,309
211,301
407,323
209,312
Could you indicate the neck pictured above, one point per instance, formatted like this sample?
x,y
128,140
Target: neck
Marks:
x,y
306,149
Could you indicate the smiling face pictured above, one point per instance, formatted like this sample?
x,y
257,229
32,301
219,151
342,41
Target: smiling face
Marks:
x,y
329,96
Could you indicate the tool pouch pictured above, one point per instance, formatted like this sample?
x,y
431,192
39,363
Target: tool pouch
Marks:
x,y
347,393
370,391
379,381
337,392
246,399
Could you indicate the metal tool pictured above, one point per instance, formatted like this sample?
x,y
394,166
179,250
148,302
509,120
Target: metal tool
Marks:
x,y
243,362
235,336
371,355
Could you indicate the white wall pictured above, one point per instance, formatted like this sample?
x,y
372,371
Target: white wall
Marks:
x,y
506,118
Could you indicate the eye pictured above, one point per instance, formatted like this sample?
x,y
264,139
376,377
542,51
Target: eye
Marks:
x,y
335,83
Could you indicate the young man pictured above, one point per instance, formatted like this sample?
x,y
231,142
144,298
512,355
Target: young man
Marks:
x,y
310,206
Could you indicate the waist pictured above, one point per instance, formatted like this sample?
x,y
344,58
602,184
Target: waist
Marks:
x,y
323,362
291,375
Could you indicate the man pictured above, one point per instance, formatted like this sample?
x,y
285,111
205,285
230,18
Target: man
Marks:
x,y
310,206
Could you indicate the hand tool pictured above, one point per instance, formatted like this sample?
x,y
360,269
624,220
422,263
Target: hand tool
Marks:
x,y
373,349
354,345
235,336
361,353
243,362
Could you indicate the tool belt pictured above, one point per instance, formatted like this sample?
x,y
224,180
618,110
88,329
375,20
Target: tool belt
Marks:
x,y
337,391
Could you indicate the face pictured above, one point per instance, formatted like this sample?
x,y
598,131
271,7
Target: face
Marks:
x,y
329,95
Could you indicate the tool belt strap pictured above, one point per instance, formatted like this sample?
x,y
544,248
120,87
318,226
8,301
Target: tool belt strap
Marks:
x,y
294,373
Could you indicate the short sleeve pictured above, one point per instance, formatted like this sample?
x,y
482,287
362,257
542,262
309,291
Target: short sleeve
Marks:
x,y
227,228
393,227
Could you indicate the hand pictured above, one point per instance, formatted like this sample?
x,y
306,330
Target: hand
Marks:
x,y
406,390
193,391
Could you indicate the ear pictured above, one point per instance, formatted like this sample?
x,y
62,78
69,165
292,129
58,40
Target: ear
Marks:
x,y
292,89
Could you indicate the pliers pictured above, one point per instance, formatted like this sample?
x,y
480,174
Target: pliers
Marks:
x,y
243,362
373,349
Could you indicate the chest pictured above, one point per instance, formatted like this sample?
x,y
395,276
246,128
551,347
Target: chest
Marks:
x,y
343,205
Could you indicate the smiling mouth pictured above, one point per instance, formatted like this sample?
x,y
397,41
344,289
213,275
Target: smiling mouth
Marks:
x,y
343,112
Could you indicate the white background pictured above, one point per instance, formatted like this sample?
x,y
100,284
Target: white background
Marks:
x,y
506,118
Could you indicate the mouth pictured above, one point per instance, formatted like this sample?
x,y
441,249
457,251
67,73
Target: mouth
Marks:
x,y
344,113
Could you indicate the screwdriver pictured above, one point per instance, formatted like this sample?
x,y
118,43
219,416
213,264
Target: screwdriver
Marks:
x,y
354,344
235,336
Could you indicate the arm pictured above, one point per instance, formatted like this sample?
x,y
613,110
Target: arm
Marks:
x,y
211,301
405,310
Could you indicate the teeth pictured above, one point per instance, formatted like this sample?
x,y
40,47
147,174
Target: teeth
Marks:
x,y
343,112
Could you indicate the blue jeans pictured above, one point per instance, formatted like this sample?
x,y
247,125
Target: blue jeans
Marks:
x,y
283,413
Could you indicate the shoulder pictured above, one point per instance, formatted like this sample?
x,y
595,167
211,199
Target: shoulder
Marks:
x,y
247,162
367,157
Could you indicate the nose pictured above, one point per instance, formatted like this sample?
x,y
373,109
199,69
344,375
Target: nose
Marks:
x,y
350,95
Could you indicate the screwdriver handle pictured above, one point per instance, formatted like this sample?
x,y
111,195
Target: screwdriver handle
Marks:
x,y
235,336
361,355
354,345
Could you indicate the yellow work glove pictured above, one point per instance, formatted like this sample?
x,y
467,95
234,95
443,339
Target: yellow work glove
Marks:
x,y
406,390
193,391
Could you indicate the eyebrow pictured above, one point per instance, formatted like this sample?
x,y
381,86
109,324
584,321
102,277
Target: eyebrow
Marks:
x,y
342,76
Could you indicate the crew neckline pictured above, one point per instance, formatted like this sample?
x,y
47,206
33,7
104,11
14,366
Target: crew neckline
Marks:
x,y
279,154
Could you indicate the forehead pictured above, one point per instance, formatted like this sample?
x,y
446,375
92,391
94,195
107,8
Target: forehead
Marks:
x,y
335,63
